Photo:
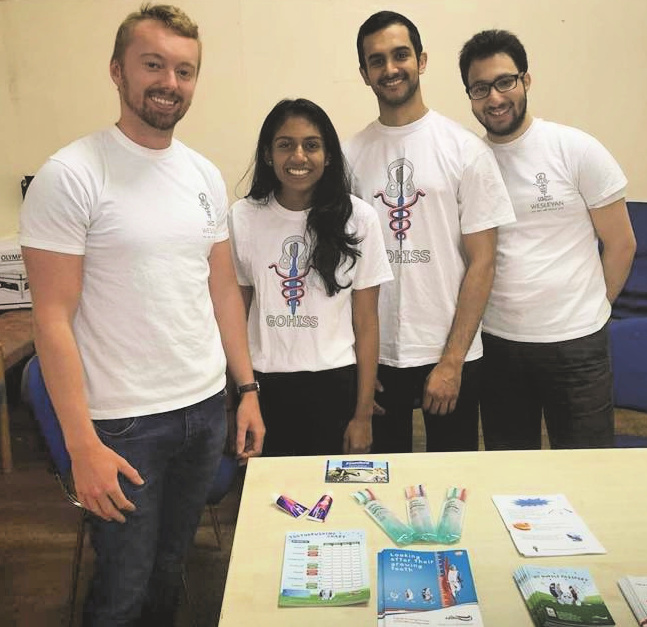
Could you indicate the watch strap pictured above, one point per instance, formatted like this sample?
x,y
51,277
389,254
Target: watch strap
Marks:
x,y
249,387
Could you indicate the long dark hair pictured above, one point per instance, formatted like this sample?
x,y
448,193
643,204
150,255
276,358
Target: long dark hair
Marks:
x,y
331,203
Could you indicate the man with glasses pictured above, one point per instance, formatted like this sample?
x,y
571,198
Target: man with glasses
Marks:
x,y
545,326
439,195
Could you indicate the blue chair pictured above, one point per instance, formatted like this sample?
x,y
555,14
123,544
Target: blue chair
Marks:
x,y
628,338
37,399
226,477
632,301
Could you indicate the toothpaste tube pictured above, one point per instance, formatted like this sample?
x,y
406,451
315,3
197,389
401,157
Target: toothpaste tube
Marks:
x,y
289,505
419,513
384,517
450,526
319,512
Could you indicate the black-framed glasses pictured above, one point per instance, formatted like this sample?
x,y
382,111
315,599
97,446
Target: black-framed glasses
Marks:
x,y
481,90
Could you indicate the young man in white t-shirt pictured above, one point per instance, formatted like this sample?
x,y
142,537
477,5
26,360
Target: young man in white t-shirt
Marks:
x,y
439,196
545,327
137,313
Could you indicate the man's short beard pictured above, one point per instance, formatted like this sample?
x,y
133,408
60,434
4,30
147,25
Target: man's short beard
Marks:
x,y
398,101
154,119
514,125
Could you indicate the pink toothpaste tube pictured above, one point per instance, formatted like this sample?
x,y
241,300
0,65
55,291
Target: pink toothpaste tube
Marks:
x,y
319,512
289,505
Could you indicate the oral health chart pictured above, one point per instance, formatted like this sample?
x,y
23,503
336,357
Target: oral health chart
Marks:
x,y
324,568
545,524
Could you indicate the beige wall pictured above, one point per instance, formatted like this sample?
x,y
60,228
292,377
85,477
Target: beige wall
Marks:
x,y
587,59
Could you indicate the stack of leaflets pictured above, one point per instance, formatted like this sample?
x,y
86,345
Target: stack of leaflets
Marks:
x,y
545,525
635,591
324,568
561,596
426,588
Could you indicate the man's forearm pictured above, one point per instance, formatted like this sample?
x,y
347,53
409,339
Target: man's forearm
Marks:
x,y
366,329
232,322
472,299
616,263
63,374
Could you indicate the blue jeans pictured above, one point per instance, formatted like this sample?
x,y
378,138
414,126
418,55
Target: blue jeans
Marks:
x,y
138,566
570,382
403,390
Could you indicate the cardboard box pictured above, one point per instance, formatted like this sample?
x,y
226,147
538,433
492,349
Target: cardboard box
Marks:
x,y
14,285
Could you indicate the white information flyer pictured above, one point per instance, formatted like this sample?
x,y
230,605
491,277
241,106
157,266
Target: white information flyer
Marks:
x,y
545,525
324,568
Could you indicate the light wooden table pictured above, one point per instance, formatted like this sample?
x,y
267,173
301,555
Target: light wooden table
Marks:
x,y
608,488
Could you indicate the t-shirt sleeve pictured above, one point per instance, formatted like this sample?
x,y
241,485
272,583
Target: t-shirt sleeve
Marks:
x,y
600,177
55,215
219,192
483,200
373,266
236,237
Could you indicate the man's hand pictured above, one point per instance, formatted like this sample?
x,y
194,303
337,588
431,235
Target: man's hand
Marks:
x,y
358,436
95,471
250,431
441,388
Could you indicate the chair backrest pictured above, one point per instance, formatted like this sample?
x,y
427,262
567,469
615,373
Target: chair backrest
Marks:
x,y
628,340
38,399
224,479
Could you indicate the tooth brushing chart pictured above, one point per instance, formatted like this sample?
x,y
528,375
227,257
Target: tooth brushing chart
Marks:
x,y
324,568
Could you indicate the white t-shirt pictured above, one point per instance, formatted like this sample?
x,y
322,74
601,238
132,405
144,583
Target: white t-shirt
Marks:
x,y
430,182
549,284
145,222
293,324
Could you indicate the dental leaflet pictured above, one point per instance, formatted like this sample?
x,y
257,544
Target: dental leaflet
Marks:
x,y
426,589
557,597
356,471
323,568
545,525
635,591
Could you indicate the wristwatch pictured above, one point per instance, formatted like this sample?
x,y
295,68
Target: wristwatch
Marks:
x,y
249,387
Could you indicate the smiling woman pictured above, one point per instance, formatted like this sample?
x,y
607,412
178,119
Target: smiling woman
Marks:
x,y
310,259
298,157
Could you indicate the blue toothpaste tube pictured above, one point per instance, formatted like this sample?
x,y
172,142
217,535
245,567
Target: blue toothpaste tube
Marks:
x,y
319,512
289,505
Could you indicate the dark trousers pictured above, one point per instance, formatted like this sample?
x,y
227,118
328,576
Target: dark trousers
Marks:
x,y
306,413
403,389
570,381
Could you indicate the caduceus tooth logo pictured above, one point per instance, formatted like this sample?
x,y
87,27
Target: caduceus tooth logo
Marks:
x,y
204,203
293,260
401,187
541,181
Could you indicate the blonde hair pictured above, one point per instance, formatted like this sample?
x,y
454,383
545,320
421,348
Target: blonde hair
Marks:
x,y
168,15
